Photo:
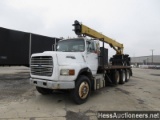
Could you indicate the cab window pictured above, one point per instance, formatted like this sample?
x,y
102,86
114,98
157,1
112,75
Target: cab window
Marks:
x,y
90,46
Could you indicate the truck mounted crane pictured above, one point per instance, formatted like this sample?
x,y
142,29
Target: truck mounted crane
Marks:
x,y
81,29
80,65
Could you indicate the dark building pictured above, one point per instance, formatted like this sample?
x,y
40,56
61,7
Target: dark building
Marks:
x,y
16,47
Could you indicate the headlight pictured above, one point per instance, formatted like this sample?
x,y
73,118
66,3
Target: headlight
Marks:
x,y
67,72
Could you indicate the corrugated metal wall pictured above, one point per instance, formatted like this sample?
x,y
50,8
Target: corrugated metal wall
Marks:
x,y
15,46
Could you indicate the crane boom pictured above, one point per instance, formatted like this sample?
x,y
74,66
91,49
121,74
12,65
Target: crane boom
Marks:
x,y
81,29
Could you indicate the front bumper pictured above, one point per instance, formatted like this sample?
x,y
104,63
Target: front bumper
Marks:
x,y
52,84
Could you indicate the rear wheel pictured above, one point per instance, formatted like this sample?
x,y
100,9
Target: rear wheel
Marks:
x,y
127,73
43,91
122,77
115,77
82,90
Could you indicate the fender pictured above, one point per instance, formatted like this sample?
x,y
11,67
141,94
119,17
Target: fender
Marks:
x,y
87,70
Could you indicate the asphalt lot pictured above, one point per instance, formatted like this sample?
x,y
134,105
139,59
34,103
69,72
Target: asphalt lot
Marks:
x,y
20,101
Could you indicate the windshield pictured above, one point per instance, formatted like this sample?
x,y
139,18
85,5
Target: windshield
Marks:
x,y
71,45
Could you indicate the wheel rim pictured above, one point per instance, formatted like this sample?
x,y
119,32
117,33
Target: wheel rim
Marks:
x,y
83,90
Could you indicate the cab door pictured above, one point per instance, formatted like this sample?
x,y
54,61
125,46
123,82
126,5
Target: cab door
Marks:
x,y
91,56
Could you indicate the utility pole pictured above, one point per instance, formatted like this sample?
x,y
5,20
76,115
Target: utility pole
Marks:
x,y
152,55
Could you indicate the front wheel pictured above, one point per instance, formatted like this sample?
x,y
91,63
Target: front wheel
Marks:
x,y
82,90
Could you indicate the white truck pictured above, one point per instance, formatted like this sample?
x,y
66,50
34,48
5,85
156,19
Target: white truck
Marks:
x,y
79,65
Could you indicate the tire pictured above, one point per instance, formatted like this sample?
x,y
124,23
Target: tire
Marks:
x,y
43,91
115,77
122,77
82,90
127,75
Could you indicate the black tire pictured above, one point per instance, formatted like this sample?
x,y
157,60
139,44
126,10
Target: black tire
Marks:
x,y
44,91
115,77
122,77
127,75
82,90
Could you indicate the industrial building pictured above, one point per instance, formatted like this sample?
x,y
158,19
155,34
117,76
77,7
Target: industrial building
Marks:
x,y
146,60
16,47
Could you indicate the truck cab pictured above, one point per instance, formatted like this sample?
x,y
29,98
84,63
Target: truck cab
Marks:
x,y
74,59
80,51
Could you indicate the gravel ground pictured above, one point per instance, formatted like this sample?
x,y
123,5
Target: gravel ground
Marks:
x,y
14,82
20,101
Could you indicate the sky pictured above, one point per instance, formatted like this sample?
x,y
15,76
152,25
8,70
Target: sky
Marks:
x,y
135,23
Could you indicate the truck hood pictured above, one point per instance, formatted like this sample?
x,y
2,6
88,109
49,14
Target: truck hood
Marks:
x,y
65,58
70,58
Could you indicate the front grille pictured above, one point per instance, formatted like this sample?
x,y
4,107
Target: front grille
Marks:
x,y
42,65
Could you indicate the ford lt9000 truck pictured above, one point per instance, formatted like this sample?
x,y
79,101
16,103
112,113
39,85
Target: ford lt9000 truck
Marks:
x,y
80,65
